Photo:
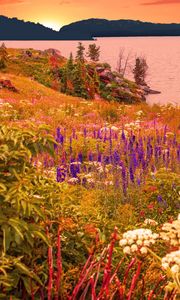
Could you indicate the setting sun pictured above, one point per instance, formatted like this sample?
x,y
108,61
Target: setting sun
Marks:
x,y
52,25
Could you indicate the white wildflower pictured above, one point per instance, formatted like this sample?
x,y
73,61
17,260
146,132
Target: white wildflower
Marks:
x,y
73,180
138,239
171,232
143,250
172,261
123,242
150,222
127,250
114,128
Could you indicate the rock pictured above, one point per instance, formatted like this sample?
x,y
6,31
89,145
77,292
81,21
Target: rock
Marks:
x,y
147,90
8,85
53,52
106,76
109,85
100,69
154,92
118,80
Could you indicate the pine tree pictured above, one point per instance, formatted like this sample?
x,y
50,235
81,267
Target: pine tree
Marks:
x,y
70,63
3,56
140,70
93,52
80,52
79,80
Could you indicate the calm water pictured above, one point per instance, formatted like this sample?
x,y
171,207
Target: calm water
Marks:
x,y
162,55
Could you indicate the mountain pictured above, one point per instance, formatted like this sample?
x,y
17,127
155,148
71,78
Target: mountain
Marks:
x,y
14,29
87,29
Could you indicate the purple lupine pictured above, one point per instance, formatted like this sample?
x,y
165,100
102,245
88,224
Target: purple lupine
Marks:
x,y
134,161
178,153
59,136
99,157
156,151
138,181
105,135
74,133
110,134
99,134
85,132
123,137
58,132
110,145
174,140
73,169
94,134
70,145
164,136
116,157
131,174
80,157
106,160
124,180
159,199
58,174
90,156
116,136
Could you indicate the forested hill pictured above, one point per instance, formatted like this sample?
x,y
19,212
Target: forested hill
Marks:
x,y
14,29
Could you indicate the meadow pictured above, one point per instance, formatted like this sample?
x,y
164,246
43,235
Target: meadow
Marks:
x,y
89,196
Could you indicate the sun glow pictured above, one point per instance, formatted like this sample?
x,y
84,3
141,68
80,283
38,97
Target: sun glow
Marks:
x,y
52,25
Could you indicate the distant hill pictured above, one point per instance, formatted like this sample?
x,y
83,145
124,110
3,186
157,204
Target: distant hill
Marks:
x,y
14,29
87,29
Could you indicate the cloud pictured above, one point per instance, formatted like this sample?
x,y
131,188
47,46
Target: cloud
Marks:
x,y
6,2
161,2
64,2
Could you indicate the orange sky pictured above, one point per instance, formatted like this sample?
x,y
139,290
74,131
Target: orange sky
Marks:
x,y
56,13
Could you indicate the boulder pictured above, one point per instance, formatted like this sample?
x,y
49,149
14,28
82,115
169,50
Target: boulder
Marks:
x,y
53,52
106,76
147,90
118,80
8,85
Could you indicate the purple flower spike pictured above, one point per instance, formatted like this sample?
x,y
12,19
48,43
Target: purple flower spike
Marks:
x,y
159,199
138,181
80,157
123,135
131,173
85,132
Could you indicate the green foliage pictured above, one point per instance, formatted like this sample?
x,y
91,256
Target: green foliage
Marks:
x,y
22,194
93,52
3,56
2,64
140,70
80,52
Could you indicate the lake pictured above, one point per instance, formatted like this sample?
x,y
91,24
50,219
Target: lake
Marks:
x,y
162,55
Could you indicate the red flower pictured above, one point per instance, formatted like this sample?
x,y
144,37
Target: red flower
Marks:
x,y
151,206
142,213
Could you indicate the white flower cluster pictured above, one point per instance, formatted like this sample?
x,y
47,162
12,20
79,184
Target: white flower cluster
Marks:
x,y
137,240
150,222
73,180
171,232
172,261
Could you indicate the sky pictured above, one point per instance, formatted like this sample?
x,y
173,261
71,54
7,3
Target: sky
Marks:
x,y
56,13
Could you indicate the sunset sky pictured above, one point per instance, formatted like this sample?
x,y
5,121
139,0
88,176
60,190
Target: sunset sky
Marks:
x,y
56,13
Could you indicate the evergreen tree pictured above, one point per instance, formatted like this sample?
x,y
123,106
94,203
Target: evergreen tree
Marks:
x,y
140,70
79,80
80,52
3,56
70,63
93,52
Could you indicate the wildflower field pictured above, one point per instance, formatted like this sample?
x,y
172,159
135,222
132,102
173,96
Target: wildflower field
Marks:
x,y
89,195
